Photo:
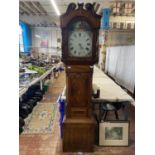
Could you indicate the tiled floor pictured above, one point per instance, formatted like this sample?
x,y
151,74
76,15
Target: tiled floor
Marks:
x,y
51,144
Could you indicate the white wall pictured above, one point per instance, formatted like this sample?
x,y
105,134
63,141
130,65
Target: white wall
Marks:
x,y
120,64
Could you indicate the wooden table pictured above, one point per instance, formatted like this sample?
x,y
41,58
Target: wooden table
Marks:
x,y
109,90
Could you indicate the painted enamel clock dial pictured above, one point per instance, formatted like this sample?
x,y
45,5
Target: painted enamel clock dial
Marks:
x,y
80,40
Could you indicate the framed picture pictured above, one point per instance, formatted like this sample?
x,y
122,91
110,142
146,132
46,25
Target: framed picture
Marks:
x,y
114,133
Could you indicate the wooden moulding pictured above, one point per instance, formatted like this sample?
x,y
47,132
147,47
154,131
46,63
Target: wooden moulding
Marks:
x,y
81,13
88,13
78,68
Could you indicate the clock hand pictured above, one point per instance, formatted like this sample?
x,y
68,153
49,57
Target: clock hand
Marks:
x,y
80,46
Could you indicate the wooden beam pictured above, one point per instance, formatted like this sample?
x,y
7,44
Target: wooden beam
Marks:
x,y
40,7
27,8
23,10
32,6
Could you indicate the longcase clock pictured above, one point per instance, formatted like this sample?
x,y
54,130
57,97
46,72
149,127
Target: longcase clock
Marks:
x,y
80,25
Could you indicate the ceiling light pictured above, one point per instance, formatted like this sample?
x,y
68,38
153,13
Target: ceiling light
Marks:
x,y
55,7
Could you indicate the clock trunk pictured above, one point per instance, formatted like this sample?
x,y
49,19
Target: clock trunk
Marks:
x,y
79,125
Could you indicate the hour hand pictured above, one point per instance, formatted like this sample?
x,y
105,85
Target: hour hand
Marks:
x,y
80,46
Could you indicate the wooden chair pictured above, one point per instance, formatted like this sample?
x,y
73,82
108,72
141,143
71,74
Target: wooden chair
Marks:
x,y
108,106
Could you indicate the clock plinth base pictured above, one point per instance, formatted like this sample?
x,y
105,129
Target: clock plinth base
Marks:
x,y
78,135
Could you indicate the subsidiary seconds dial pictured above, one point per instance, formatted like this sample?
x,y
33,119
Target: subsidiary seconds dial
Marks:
x,y
80,44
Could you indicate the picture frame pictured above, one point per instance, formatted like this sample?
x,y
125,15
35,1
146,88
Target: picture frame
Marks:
x,y
114,133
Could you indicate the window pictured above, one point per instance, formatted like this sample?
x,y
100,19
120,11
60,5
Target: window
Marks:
x,y
21,45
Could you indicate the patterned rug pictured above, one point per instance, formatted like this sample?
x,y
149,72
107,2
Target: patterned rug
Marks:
x,y
42,119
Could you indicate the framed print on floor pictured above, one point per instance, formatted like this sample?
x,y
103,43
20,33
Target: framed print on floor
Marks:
x,y
114,133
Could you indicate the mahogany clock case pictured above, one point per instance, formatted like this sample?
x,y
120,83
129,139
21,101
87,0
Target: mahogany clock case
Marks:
x,y
78,135
78,91
71,16
79,125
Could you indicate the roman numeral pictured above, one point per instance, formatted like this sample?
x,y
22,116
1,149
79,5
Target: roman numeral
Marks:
x,y
88,44
87,39
79,34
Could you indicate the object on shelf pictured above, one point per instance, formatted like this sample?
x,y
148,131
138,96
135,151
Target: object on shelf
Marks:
x,y
118,25
24,79
40,70
114,25
24,110
21,122
32,102
128,25
37,98
27,71
29,83
122,8
132,25
106,15
121,25
20,130
45,87
39,94
21,70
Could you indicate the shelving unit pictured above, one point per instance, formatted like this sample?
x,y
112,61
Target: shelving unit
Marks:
x,y
40,79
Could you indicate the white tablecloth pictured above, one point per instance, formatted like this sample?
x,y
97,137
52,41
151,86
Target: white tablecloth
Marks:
x,y
109,90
